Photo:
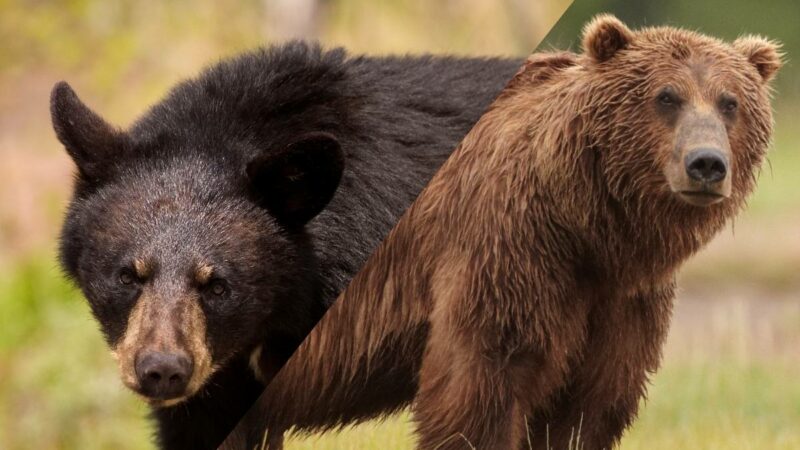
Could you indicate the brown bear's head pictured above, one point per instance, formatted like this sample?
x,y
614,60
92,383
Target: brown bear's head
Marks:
x,y
683,116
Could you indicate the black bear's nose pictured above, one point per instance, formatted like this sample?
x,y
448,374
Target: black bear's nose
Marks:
x,y
163,375
706,165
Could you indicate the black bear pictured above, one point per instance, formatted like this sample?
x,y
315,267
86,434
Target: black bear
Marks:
x,y
212,235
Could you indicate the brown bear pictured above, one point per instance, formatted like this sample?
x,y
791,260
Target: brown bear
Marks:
x,y
523,300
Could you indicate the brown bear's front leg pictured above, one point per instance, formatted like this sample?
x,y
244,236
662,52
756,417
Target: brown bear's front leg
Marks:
x,y
464,401
623,348
481,377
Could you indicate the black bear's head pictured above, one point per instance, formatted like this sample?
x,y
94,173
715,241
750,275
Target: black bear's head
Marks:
x,y
188,238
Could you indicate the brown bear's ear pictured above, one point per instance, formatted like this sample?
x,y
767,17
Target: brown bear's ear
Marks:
x,y
604,36
89,140
763,53
296,184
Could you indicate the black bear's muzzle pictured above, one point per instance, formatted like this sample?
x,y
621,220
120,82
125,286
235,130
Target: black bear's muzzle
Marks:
x,y
163,376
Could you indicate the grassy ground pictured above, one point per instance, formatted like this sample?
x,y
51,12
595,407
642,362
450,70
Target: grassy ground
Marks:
x,y
721,405
691,406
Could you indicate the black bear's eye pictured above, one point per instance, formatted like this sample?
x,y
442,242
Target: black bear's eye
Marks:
x,y
218,287
126,276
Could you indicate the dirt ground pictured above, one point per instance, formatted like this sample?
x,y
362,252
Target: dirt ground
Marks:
x,y
745,321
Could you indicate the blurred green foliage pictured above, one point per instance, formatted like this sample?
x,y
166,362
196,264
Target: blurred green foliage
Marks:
x,y
725,405
26,294
59,387
144,43
112,46
726,19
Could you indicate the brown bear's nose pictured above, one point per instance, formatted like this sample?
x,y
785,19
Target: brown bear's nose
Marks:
x,y
163,375
706,165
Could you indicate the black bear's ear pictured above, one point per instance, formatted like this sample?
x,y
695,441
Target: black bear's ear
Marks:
x,y
604,36
762,53
296,184
89,140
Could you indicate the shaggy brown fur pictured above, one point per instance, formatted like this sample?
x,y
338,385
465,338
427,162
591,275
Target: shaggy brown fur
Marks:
x,y
526,294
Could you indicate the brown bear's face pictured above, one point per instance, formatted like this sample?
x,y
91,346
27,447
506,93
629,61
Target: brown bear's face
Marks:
x,y
690,115
699,167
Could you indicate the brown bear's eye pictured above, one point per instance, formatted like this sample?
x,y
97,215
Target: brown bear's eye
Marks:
x,y
218,287
126,276
668,97
728,105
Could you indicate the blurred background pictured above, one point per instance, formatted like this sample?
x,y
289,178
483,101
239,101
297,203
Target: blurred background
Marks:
x,y
729,378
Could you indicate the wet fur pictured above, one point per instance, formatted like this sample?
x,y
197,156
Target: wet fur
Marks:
x,y
528,290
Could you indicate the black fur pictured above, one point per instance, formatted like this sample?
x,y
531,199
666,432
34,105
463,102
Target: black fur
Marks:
x,y
233,167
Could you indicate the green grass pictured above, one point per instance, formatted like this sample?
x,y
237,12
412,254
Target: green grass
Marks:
x,y
394,433
723,405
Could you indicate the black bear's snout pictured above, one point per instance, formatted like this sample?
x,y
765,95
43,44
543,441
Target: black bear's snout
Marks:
x,y
706,165
163,375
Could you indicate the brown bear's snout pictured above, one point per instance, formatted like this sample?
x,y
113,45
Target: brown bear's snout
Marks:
x,y
700,173
705,178
163,376
706,165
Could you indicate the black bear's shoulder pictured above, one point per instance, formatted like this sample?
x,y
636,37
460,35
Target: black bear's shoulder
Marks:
x,y
300,86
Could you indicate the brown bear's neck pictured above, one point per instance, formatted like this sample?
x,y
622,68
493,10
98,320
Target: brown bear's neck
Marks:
x,y
637,239
647,243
